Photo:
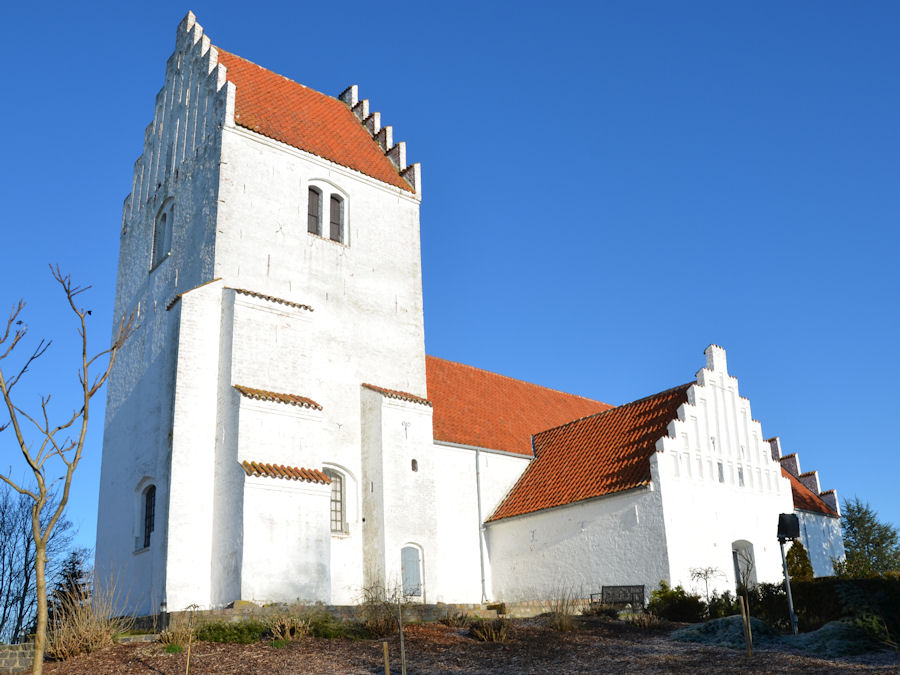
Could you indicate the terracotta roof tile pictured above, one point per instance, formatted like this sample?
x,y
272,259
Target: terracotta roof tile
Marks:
x,y
401,395
286,472
598,455
271,298
289,399
274,106
480,408
806,499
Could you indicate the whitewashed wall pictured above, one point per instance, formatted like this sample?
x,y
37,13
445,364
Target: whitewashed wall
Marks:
x,y
822,539
704,515
180,162
460,471
617,539
286,541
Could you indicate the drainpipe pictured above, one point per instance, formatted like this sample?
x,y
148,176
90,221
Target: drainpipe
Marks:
x,y
480,521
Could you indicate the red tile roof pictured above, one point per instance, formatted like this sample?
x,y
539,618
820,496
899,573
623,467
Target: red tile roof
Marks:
x,y
271,298
806,499
274,106
286,472
598,455
275,397
401,395
480,408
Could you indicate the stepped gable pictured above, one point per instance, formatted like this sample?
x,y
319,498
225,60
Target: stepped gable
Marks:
x,y
806,499
594,456
279,108
483,409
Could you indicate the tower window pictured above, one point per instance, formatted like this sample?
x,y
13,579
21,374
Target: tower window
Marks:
x,y
415,465
162,233
337,218
149,513
314,212
337,501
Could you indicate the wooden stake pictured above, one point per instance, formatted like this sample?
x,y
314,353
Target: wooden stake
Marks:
x,y
387,662
745,619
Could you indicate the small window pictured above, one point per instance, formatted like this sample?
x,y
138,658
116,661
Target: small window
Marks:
x,y
741,476
149,513
162,233
415,465
337,500
721,473
337,218
314,212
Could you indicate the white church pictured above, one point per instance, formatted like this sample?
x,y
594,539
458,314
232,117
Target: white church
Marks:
x,y
275,431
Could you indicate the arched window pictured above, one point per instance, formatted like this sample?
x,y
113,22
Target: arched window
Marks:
x,y
337,218
162,233
411,570
314,212
338,501
149,513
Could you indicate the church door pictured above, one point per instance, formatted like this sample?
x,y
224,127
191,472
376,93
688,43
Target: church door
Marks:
x,y
411,570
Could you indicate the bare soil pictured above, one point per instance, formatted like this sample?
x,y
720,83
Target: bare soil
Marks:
x,y
596,646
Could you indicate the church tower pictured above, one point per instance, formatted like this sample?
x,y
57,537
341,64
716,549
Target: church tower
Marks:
x,y
270,246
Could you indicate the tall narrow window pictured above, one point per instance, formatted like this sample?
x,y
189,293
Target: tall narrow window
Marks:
x,y
149,513
314,212
337,500
162,233
337,218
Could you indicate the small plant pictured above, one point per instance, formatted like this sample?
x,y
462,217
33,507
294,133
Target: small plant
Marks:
x,y
490,630
179,631
173,648
599,609
278,644
456,620
324,625
242,632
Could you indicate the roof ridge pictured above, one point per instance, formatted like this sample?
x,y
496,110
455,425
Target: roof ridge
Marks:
x,y
618,407
515,379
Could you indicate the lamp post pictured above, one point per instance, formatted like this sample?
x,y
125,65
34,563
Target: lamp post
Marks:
x,y
788,529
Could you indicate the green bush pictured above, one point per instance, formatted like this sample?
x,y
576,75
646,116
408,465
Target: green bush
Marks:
x,y
722,605
324,625
676,604
173,649
240,632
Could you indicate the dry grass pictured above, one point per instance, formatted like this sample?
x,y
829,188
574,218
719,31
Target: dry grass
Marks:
x,y
288,625
490,630
456,619
562,607
87,623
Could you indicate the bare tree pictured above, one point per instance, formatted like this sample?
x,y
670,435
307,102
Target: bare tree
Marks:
x,y
18,598
63,442
705,574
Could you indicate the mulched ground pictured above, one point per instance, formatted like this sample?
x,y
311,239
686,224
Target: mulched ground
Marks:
x,y
596,646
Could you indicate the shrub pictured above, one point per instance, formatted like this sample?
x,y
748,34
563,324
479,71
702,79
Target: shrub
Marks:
x,y
456,620
676,604
324,625
240,632
798,564
646,620
722,605
599,609
490,630
378,610
85,623
286,626
179,631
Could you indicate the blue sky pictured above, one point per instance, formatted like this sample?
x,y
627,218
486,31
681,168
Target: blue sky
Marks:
x,y
608,188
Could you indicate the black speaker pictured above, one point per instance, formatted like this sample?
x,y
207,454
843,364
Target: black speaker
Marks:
x,y
788,526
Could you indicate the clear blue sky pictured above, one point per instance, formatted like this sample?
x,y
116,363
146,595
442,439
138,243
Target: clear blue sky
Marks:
x,y
608,188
